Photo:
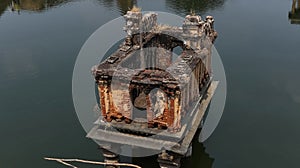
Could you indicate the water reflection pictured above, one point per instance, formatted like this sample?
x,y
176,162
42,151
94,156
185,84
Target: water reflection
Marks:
x,y
29,5
26,65
199,158
3,5
185,7
123,5
294,14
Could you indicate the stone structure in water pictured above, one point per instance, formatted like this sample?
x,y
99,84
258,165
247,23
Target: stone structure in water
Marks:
x,y
143,82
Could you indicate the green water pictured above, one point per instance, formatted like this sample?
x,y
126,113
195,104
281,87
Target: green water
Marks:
x,y
260,51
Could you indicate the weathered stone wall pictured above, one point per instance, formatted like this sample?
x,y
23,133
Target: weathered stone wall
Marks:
x,y
149,21
132,22
138,23
144,62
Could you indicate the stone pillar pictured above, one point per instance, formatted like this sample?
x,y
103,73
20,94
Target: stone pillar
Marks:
x,y
102,99
170,116
177,121
109,156
106,97
150,115
169,160
167,109
111,103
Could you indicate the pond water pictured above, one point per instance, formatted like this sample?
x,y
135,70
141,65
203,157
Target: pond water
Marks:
x,y
258,43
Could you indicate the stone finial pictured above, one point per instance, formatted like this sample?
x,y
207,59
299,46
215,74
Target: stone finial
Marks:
x,y
133,19
135,9
193,18
210,20
191,25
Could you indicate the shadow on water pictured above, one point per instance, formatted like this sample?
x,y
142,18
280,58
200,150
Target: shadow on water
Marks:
x,y
122,5
29,5
199,158
294,14
198,6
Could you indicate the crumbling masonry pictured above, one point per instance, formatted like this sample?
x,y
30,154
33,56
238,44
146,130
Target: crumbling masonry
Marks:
x,y
142,82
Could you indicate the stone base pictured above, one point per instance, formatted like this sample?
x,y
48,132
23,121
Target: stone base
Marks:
x,y
169,160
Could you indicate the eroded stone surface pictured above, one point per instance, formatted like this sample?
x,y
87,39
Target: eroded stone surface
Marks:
x,y
144,63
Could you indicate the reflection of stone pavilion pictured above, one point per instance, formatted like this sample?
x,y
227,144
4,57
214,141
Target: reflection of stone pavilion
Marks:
x,y
180,6
294,14
122,5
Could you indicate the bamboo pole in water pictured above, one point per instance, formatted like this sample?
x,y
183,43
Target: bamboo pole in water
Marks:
x,y
64,162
